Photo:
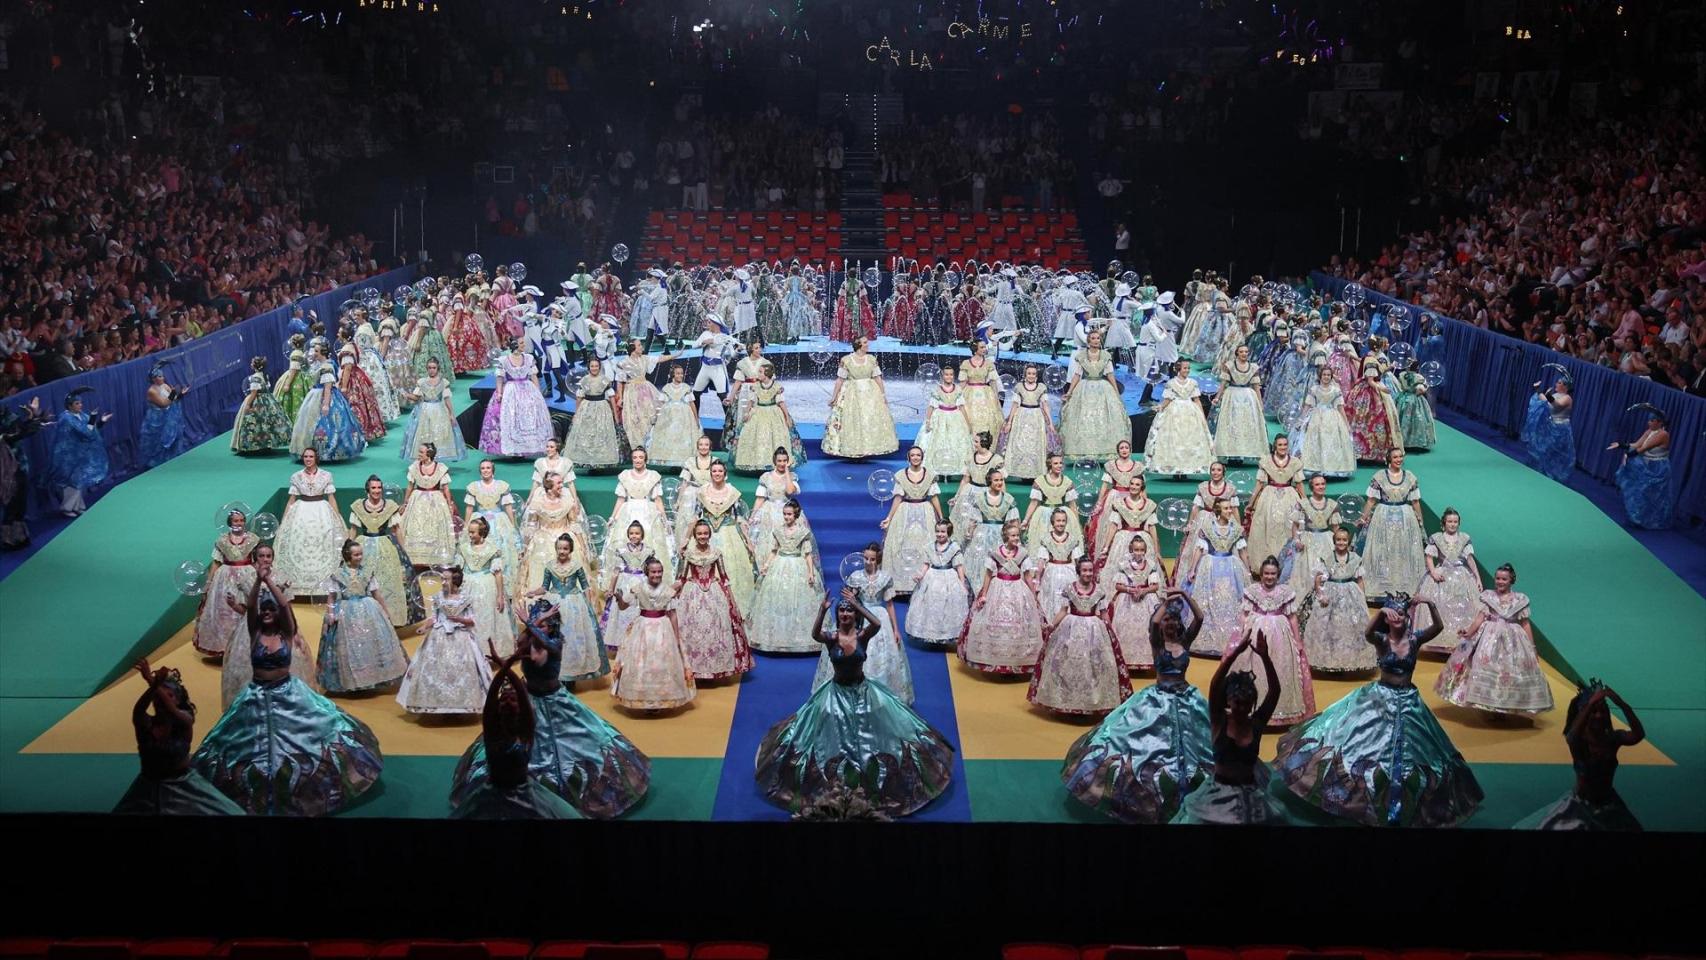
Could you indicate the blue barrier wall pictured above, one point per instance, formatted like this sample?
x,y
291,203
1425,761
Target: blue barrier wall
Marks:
x,y
1489,376
214,367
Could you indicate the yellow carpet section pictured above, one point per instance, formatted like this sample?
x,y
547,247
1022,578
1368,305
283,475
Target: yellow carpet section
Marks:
x,y
102,723
997,723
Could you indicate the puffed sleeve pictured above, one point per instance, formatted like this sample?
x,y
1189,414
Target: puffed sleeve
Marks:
x,y
1035,493
1373,492
841,370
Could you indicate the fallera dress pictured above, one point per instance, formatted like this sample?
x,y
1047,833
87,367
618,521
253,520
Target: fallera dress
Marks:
x,y
390,571
449,674
261,423
1179,441
1079,669
941,600
1497,669
911,533
336,435
1006,633
217,626
1264,611
1050,494
1392,555
785,604
1093,420
1324,442
765,428
429,536
945,436
1458,596
310,535
576,753
1027,442
725,513
430,422
885,657
1146,756
1241,433
860,424
712,630
1379,757
1132,615
1333,635
1217,585
281,749
359,649
853,733
675,433
584,656
592,442
651,669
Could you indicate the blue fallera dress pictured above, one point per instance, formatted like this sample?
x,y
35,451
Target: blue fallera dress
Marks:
x,y
1573,811
79,452
165,788
164,434
1139,764
1644,480
856,734
1379,757
528,800
336,435
576,754
1256,802
1551,444
282,749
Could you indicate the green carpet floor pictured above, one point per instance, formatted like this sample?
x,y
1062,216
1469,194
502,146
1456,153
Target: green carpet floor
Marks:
x,y
74,617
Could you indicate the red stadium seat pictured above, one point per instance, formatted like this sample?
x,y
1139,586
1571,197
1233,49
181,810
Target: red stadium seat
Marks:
x,y
24,948
672,949
626,951
1039,951
447,950
266,950
343,949
179,948
564,949
731,950
91,949
1124,952
1267,952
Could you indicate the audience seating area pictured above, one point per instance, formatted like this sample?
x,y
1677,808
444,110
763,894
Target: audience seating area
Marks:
x,y
1066,951
1051,239
195,948
744,236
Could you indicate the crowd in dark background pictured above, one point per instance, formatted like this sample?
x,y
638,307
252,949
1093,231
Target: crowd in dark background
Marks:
x,y
170,169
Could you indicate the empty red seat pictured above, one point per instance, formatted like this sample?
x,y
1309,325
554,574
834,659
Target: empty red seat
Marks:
x,y
626,951
1267,952
91,949
731,950
342,949
266,950
672,949
179,948
24,948
1125,952
563,949
1039,951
